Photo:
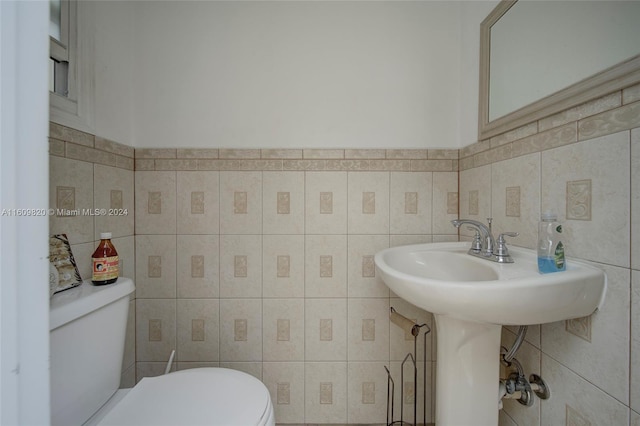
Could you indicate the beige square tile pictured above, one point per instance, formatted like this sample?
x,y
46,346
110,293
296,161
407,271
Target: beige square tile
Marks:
x,y
505,420
198,202
522,174
445,238
368,202
635,198
252,368
635,419
475,196
325,329
197,329
71,191
198,266
240,266
605,238
400,342
155,266
532,336
113,192
283,266
326,202
283,202
129,358
240,330
197,364
155,329
155,196
285,381
325,392
126,247
368,329
362,278
634,396
609,329
82,254
283,329
446,202
588,404
367,392
240,202
411,202
325,265
403,240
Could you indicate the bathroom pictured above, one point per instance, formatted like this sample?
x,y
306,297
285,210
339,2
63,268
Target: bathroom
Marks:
x,y
234,263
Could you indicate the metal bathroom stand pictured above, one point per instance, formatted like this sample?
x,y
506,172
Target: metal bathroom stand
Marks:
x,y
412,359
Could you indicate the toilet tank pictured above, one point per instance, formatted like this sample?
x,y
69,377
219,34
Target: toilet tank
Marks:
x,y
87,333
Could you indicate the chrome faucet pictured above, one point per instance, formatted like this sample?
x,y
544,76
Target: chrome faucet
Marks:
x,y
484,245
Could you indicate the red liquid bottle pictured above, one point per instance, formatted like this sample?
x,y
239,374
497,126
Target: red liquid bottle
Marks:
x,y
105,261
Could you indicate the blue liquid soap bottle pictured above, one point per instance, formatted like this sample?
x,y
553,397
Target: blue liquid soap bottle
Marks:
x,y
550,248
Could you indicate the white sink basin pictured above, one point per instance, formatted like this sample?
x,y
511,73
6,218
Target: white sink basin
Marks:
x,y
471,299
443,279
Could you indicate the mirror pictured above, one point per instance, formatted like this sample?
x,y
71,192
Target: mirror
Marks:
x,y
538,58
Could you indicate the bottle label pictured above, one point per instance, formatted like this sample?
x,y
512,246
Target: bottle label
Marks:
x,y
559,256
105,268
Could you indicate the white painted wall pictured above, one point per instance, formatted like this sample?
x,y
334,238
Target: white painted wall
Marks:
x,y
113,37
472,13
295,74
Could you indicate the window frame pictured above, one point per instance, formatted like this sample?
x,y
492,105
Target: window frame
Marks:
x,y
75,109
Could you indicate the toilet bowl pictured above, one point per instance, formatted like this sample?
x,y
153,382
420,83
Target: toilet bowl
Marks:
x,y
87,326
200,396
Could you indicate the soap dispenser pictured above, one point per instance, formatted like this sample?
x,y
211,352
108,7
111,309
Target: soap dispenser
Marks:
x,y
550,247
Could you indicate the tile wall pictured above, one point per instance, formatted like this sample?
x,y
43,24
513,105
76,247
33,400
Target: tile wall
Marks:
x,y
87,172
262,260
584,164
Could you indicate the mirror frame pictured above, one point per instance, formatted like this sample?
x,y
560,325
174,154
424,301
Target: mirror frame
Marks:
x,y
617,77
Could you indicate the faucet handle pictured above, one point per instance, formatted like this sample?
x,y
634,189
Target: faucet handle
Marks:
x,y
501,246
476,245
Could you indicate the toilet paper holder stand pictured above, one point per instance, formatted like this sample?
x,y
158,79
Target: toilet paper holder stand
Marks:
x,y
414,329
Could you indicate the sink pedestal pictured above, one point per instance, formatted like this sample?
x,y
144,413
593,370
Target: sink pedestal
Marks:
x,y
467,372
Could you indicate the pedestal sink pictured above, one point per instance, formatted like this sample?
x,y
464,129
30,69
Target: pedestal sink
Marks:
x,y
471,299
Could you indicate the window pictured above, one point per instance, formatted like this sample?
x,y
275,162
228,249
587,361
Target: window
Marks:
x,y
63,85
59,47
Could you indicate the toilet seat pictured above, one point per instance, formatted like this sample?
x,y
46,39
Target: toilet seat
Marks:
x,y
200,396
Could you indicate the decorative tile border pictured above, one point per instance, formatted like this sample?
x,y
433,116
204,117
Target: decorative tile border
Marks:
x,y
612,113
144,163
74,144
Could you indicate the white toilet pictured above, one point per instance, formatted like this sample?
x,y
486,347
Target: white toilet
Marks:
x,y
87,328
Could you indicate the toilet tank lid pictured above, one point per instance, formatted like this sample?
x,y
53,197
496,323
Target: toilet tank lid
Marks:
x,y
76,302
